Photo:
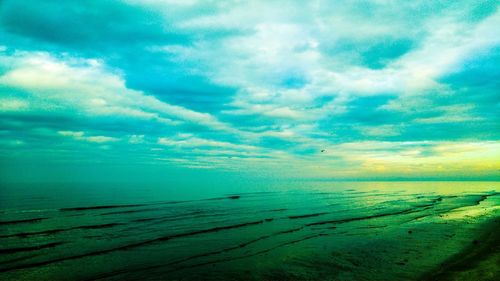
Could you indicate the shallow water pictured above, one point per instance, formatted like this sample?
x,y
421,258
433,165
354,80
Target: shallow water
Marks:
x,y
304,231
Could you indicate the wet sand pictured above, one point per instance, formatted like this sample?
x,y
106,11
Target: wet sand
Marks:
x,y
480,261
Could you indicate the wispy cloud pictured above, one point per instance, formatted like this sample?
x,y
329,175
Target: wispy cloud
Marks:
x,y
81,136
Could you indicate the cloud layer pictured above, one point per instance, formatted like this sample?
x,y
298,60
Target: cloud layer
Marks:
x,y
350,89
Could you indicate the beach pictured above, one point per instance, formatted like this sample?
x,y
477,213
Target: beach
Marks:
x,y
480,261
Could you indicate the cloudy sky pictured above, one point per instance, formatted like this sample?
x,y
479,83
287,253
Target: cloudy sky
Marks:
x,y
308,89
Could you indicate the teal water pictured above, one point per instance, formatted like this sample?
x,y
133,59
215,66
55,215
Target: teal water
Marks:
x,y
300,231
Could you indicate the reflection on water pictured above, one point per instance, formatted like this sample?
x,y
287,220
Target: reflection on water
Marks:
x,y
318,231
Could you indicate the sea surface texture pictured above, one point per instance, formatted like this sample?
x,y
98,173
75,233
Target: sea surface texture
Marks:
x,y
315,231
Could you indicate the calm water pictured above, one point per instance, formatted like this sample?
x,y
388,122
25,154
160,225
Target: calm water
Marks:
x,y
302,231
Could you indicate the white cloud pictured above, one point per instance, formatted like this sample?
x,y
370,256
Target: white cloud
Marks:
x,y
380,131
449,44
135,139
276,47
71,134
81,136
87,87
100,139
13,104
190,141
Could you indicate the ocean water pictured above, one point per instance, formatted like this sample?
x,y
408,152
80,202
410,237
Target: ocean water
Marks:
x,y
300,231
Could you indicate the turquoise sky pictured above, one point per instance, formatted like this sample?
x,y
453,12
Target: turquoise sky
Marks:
x,y
186,89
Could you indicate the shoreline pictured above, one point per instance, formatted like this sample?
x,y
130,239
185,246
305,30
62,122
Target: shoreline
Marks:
x,y
480,261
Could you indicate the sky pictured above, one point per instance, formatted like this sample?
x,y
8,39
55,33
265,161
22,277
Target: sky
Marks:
x,y
184,89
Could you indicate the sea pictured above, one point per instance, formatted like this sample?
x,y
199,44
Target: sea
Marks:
x,y
309,230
